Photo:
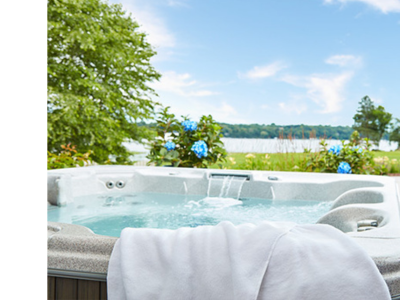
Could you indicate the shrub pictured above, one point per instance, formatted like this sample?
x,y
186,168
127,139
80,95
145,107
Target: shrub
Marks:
x,y
384,165
68,158
355,138
187,143
254,162
344,158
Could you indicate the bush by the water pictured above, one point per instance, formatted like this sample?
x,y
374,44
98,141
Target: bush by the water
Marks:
x,y
352,157
186,143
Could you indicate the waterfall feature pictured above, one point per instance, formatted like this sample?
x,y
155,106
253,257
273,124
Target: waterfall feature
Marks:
x,y
223,191
228,187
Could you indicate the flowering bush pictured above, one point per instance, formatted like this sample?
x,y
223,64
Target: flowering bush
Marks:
x,y
345,158
335,149
344,168
189,125
169,145
200,149
187,143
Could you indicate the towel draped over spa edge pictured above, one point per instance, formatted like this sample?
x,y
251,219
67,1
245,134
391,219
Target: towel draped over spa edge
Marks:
x,y
274,261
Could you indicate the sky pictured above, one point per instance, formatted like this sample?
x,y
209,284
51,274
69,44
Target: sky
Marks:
x,y
284,62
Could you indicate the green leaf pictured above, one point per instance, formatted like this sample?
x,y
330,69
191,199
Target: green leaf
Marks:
x,y
163,152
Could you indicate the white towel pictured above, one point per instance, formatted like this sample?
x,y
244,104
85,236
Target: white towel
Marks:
x,y
274,261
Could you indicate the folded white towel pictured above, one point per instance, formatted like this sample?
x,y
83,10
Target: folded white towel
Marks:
x,y
247,262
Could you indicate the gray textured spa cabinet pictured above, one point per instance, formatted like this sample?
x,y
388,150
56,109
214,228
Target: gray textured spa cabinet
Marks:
x,y
364,207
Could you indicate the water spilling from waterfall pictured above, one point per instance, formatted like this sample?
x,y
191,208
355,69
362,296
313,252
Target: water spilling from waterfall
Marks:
x,y
223,192
273,193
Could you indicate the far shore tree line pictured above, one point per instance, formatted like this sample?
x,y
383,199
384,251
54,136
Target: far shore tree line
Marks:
x,y
261,131
99,94
370,122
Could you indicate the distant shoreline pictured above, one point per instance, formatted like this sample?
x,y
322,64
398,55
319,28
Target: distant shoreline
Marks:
x,y
270,131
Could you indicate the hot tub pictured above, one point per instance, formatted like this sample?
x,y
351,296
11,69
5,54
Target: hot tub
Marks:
x,y
364,207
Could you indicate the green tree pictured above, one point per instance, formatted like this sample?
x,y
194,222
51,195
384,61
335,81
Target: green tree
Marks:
x,y
364,119
370,121
382,121
98,74
395,133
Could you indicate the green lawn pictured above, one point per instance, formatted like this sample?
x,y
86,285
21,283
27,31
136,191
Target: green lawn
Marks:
x,y
390,155
286,161
275,158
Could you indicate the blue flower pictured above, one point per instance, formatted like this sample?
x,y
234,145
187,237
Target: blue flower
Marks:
x,y
335,149
200,149
344,168
189,125
358,149
169,145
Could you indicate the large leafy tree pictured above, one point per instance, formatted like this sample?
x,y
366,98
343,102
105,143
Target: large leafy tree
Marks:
x,y
370,121
382,121
98,75
364,118
395,133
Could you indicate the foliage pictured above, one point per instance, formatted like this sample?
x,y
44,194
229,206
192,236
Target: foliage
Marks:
x,y
254,162
295,162
355,138
382,120
328,160
291,131
372,122
359,158
68,158
363,119
98,70
384,165
187,143
395,133
384,162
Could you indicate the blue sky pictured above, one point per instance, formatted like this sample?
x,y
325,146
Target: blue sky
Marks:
x,y
284,62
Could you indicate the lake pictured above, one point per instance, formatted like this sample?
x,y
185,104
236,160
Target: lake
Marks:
x,y
267,146
287,145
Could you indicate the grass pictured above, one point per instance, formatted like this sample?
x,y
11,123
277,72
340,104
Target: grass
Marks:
x,y
290,161
280,161
390,155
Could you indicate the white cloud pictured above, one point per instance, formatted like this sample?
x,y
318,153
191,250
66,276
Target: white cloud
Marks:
x,y
293,106
385,6
263,71
221,111
265,106
177,3
324,90
344,60
227,110
180,84
158,35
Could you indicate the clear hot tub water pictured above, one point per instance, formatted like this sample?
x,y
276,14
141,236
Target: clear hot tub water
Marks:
x,y
108,215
